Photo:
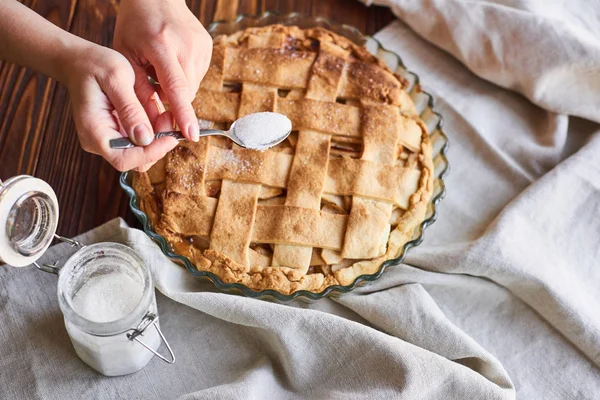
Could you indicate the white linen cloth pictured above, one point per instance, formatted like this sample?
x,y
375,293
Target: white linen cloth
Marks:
x,y
548,50
501,300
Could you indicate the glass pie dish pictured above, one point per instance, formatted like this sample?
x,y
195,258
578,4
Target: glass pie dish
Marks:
x,y
424,104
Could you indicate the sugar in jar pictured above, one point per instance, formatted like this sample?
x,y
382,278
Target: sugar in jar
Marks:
x,y
105,290
107,298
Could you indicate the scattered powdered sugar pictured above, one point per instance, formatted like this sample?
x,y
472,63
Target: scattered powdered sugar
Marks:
x,y
187,181
262,130
106,298
232,162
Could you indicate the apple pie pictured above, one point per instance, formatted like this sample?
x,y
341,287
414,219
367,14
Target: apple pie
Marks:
x,y
332,202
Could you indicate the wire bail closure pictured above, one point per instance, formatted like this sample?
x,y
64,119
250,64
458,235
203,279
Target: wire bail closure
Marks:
x,y
54,268
151,319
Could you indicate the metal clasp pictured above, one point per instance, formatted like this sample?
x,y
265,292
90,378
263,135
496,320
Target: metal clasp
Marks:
x,y
148,320
54,268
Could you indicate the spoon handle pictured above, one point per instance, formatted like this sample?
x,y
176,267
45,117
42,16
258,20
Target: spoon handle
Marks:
x,y
210,132
126,143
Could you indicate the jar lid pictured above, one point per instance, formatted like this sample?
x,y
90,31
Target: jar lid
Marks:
x,y
28,219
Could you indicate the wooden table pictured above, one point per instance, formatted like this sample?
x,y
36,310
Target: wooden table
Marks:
x,y
37,134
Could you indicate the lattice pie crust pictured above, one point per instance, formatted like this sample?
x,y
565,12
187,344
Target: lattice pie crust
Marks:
x,y
332,202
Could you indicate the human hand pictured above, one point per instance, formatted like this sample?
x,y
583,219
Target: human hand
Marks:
x,y
163,39
101,82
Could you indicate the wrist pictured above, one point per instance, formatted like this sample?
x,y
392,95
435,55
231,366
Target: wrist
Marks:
x,y
69,52
45,48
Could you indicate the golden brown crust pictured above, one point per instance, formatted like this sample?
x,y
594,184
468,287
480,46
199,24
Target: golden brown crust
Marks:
x,y
333,202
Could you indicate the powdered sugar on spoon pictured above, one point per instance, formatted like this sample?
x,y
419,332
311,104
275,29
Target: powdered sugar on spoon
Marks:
x,y
261,130
258,131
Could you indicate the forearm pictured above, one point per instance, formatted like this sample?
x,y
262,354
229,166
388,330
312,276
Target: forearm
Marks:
x,y
29,40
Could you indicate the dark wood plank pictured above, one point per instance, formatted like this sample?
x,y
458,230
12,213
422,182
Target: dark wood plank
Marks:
x,y
226,10
24,101
37,134
203,9
248,7
287,6
354,13
378,18
86,185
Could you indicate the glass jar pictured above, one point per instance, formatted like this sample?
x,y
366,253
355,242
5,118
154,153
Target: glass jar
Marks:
x,y
105,290
28,219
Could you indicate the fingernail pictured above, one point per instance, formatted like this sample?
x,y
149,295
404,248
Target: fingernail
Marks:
x,y
194,133
142,135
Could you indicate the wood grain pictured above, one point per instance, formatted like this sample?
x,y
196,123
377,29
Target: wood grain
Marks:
x,y
25,101
37,134
226,10
87,186
288,6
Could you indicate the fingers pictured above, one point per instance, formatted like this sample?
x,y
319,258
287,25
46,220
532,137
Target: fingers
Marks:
x,y
164,122
125,160
95,139
174,83
191,76
96,125
119,88
145,92
105,107
195,63
143,158
205,48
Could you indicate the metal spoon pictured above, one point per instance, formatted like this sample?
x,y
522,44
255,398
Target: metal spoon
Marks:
x,y
126,143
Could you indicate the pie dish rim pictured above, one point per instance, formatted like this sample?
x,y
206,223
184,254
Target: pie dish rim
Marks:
x,y
440,162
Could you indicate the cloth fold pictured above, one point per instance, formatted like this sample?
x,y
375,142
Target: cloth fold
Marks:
x,y
500,301
286,351
549,51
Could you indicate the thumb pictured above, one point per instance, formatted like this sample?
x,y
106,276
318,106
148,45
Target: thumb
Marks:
x,y
131,113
